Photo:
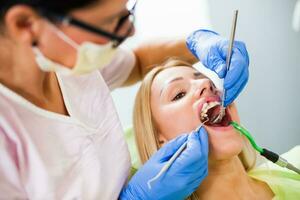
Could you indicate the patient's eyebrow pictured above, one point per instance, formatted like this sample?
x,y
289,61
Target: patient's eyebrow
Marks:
x,y
170,81
198,74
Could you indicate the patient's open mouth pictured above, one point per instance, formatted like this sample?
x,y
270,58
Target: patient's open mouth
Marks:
x,y
210,111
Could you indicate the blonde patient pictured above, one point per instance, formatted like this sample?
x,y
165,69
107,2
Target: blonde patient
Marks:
x,y
169,103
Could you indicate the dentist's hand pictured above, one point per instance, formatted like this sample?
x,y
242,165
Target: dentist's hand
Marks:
x,y
181,179
211,50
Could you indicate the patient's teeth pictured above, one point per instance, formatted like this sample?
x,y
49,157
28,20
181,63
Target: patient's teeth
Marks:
x,y
207,106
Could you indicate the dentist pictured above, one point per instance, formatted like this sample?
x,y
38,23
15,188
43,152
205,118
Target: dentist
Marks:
x,y
60,136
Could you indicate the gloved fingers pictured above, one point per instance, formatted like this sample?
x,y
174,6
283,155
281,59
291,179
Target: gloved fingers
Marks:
x,y
239,62
238,71
168,150
232,93
127,193
199,177
241,46
198,167
202,137
214,61
237,45
239,57
199,39
206,34
235,88
193,152
200,36
204,140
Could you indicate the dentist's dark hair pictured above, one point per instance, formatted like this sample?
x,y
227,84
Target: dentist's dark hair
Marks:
x,y
57,6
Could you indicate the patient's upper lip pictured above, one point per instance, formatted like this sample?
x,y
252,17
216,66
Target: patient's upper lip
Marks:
x,y
207,100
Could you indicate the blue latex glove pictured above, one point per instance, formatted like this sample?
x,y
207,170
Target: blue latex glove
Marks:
x,y
211,50
181,179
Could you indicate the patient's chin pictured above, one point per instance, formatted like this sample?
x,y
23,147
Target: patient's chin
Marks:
x,y
224,152
224,144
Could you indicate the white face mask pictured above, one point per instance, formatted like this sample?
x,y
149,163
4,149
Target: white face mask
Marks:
x,y
90,56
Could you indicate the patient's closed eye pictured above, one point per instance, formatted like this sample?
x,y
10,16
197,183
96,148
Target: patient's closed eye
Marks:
x,y
179,96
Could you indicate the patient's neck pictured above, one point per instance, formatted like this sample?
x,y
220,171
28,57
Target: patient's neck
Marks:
x,y
228,179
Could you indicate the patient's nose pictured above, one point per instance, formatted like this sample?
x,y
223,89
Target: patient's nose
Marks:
x,y
204,88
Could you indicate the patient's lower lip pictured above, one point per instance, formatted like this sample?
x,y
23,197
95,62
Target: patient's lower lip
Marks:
x,y
221,128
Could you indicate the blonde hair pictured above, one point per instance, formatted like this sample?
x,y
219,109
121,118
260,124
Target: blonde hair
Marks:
x,y
146,132
145,129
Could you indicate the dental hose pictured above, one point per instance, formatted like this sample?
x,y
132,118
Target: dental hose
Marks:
x,y
270,155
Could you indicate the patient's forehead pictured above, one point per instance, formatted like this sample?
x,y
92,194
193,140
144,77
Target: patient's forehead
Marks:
x,y
171,73
168,74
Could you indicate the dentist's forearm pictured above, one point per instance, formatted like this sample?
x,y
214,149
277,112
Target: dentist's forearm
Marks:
x,y
155,52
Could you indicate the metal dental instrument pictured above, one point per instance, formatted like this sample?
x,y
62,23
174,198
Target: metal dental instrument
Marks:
x,y
228,59
274,157
172,159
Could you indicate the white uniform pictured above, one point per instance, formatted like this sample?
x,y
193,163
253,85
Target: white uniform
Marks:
x,y
45,155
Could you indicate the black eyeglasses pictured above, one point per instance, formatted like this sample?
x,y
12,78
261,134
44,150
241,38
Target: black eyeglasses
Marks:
x,y
116,39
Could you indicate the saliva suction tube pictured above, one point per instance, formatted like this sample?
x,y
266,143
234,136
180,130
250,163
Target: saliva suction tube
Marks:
x,y
270,155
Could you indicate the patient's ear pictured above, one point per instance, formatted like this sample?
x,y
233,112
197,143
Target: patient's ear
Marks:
x,y
161,139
